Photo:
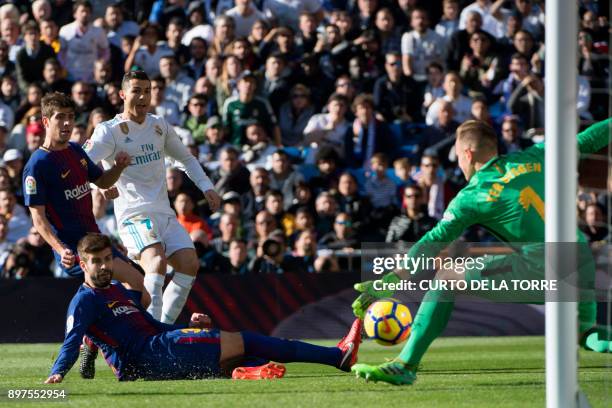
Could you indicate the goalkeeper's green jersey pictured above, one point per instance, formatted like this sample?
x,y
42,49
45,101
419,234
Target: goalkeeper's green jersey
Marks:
x,y
505,196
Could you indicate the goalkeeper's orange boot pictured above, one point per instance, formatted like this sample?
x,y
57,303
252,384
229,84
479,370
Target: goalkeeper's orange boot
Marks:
x,y
350,345
267,371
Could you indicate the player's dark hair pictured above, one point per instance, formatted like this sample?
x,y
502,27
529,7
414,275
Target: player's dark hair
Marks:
x,y
480,135
92,243
53,101
138,74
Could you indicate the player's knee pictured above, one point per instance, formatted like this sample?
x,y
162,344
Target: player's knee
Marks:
x,y
192,265
155,263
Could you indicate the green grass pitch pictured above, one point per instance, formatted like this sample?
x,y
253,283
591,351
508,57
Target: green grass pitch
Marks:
x,y
456,372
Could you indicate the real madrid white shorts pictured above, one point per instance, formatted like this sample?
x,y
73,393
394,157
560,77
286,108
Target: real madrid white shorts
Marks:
x,y
142,231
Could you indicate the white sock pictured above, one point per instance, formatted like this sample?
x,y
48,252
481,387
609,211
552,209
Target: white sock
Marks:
x,y
154,283
175,296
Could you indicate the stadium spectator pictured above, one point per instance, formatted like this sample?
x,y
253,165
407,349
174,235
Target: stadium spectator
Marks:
x,y
116,25
343,237
102,76
258,150
238,257
197,24
414,222
305,251
178,84
196,119
254,200
30,59
307,37
265,223
160,105
174,31
185,207
34,135
238,111
209,152
368,134
224,34
519,70
440,136
397,97
389,33
195,64
41,10
594,223
10,33
274,206
82,43
228,226
460,41
462,105
328,165
294,116
52,80
421,46
329,129
274,258
147,51
49,34
434,88
245,14
9,92
489,12
83,96
41,254
326,208
527,101
275,85
449,23
481,68
432,185
231,175
7,67
19,222
283,177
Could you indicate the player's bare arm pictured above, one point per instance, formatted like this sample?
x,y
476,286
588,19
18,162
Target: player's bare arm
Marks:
x,y
110,176
43,226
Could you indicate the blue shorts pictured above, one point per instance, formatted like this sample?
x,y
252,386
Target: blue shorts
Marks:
x,y
180,355
76,270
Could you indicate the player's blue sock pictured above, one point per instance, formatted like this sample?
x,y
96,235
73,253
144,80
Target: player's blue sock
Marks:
x,y
248,361
288,351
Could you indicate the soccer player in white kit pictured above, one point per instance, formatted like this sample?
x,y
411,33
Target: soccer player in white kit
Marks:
x,y
147,224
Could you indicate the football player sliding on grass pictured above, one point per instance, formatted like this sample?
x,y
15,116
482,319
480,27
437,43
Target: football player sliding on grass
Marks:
x,y
505,195
135,345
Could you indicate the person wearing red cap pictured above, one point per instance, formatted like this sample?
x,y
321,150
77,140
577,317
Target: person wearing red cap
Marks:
x,y
35,136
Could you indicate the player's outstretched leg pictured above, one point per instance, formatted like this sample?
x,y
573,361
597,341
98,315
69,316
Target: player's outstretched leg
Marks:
x,y
89,352
429,322
251,344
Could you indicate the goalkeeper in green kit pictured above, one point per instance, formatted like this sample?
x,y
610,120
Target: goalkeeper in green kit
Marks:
x,y
505,195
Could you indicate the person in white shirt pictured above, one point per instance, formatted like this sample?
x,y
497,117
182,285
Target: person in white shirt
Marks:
x,y
244,14
491,16
82,44
328,128
117,27
147,51
462,104
147,224
421,46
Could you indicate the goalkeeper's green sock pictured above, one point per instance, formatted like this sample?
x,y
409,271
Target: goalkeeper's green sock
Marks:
x,y
429,322
587,316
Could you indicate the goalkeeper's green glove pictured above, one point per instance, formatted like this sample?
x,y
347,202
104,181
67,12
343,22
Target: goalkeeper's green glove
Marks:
x,y
369,295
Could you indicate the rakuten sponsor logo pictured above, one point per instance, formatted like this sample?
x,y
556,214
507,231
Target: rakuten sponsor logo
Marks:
x,y
78,192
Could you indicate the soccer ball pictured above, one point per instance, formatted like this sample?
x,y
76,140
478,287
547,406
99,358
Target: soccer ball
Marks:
x,y
388,322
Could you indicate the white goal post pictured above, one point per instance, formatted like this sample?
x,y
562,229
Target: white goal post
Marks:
x,y
560,194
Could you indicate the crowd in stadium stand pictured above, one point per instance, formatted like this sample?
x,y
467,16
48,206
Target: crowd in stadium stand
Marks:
x,y
322,123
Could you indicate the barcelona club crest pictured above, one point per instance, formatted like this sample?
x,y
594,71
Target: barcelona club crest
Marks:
x,y
124,128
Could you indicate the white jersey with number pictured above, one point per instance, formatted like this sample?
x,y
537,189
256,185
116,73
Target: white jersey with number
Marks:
x,y
142,185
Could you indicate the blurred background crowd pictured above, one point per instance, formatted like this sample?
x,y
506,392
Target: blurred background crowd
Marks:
x,y
322,123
